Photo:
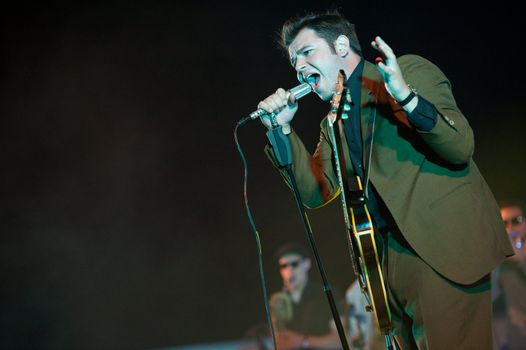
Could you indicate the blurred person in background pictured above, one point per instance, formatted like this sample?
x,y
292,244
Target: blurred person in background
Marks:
x,y
509,288
300,311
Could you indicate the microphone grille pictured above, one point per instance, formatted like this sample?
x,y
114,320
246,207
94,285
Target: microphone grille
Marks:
x,y
300,90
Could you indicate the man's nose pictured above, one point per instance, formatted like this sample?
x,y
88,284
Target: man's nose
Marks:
x,y
300,69
301,64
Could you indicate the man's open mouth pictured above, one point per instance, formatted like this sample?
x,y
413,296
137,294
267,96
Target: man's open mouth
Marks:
x,y
313,79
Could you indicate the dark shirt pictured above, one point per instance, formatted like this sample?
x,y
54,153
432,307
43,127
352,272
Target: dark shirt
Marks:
x,y
423,117
312,315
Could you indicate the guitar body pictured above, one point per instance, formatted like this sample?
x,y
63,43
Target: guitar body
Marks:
x,y
372,283
361,234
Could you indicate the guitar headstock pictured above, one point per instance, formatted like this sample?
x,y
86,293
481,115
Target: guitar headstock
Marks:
x,y
336,98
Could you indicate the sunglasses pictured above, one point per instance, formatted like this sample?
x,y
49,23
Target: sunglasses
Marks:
x,y
514,221
292,264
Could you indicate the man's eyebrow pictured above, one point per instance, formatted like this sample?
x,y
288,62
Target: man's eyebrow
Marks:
x,y
302,48
292,58
298,52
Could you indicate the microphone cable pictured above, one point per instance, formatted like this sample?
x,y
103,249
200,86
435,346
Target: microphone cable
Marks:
x,y
256,234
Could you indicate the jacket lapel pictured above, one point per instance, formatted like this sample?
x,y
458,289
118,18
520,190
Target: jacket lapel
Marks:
x,y
371,83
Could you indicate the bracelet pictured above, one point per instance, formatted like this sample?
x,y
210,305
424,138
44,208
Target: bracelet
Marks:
x,y
407,99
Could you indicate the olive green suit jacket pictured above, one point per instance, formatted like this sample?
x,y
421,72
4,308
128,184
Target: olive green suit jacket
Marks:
x,y
428,180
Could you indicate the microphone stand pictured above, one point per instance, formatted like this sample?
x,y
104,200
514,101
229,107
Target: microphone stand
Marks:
x,y
281,146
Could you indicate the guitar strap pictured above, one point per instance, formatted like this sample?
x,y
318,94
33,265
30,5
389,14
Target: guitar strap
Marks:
x,y
369,146
353,188
350,187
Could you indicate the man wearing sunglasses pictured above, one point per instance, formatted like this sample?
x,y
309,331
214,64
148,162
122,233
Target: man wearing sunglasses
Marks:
x,y
512,213
300,311
509,293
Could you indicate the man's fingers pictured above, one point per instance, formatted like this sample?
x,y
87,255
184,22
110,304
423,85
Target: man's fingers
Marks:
x,y
384,49
282,93
268,105
382,45
385,68
381,48
276,102
271,104
264,105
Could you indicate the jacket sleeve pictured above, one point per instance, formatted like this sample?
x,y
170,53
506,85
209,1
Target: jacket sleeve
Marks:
x,y
314,174
451,137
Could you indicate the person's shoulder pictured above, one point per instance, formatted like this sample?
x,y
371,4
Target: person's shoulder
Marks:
x,y
412,63
411,57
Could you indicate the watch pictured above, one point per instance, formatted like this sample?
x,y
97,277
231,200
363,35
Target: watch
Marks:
x,y
407,99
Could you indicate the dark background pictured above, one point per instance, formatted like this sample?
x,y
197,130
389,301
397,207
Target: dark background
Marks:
x,y
122,219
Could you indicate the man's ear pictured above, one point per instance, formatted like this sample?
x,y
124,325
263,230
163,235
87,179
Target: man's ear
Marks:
x,y
341,46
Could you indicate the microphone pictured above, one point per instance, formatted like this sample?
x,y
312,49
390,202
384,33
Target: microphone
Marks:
x,y
294,94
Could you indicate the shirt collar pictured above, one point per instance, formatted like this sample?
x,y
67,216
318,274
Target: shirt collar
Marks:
x,y
354,83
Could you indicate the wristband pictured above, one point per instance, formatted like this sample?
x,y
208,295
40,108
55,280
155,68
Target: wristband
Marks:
x,y
407,99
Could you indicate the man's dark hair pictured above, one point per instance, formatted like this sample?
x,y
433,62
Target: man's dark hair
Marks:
x,y
327,25
513,203
291,248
